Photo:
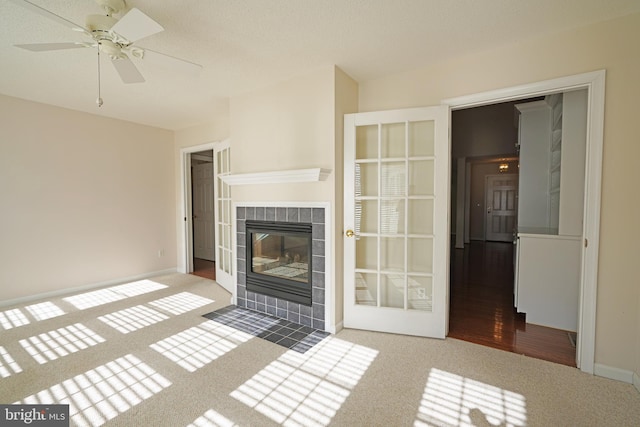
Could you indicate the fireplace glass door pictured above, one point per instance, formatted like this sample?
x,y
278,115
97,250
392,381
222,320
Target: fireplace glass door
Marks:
x,y
279,260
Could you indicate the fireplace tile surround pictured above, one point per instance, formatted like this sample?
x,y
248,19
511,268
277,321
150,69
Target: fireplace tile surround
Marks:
x,y
312,316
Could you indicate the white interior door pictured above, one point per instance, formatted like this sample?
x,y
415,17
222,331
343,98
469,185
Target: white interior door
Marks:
x,y
203,215
396,220
502,207
224,247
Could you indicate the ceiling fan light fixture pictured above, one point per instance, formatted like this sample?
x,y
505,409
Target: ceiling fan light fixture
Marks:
x,y
113,50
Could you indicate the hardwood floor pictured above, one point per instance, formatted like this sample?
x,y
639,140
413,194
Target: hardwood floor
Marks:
x,y
204,268
482,312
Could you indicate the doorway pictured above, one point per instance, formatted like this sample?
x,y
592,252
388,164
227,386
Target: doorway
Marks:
x,y
594,83
219,193
202,214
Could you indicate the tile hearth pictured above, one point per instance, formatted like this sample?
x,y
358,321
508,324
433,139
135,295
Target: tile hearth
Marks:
x,y
278,331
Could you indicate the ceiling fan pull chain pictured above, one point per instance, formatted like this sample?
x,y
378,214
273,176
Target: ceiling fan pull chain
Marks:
x,y
99,100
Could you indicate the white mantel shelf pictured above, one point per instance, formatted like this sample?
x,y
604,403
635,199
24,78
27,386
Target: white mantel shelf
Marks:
x,y
278,177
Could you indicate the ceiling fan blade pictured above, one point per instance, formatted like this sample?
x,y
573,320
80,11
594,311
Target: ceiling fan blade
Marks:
x,y
135,25
43,47
47,14
127,70
171,62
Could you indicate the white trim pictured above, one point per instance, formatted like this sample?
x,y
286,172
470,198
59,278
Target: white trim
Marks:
x,y
185,257
636,381
278,177
68,291
578,81
338,328
613,373
595,83
329,285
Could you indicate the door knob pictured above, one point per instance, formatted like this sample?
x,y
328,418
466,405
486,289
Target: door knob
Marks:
x,y
349,233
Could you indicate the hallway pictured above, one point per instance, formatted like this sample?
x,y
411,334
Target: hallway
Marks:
x,y
481,307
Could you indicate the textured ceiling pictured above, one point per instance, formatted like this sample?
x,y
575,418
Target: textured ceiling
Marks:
x,y
247,44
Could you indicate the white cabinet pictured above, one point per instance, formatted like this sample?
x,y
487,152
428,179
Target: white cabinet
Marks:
x,y
552,140
534,137
548,269
572,172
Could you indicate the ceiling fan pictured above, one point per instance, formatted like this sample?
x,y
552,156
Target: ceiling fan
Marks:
x,y
111,36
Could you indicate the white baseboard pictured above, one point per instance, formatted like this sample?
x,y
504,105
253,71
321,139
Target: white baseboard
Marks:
x,y
615,374
636,381
334,329
67,291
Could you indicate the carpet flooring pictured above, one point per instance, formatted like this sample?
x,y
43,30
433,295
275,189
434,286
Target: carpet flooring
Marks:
x,y
143,354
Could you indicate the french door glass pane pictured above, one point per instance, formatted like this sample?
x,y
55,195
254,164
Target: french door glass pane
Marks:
x,y
366,179
421,178
366,216
420,216
367,289
420,293
393,176
367,142
393,138
392,216
367,253
392,290
420,256
421,137
392,253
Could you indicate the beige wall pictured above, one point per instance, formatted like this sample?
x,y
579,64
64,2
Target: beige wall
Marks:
x,y
283,127
612,46
85,199
346,96
296,124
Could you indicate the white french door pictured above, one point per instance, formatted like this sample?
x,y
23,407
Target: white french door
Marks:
x,y
396,175
224,247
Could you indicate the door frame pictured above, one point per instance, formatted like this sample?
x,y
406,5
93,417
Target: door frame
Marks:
x,y
185,230
594,82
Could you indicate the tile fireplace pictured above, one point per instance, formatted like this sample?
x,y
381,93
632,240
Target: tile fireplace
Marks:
x,y
281,262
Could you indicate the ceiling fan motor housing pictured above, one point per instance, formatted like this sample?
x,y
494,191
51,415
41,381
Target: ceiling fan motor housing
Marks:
x,y
108,42
100,23
112,6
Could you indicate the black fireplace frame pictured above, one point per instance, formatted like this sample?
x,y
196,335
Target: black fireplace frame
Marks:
x,y
279,287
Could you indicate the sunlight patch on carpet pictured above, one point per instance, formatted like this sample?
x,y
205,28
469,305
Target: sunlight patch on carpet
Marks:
x,y
133,318
455,400
60,342
200,345
8,366
44,310
307,389
103,393
212,418
113,294
181,303
13,318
